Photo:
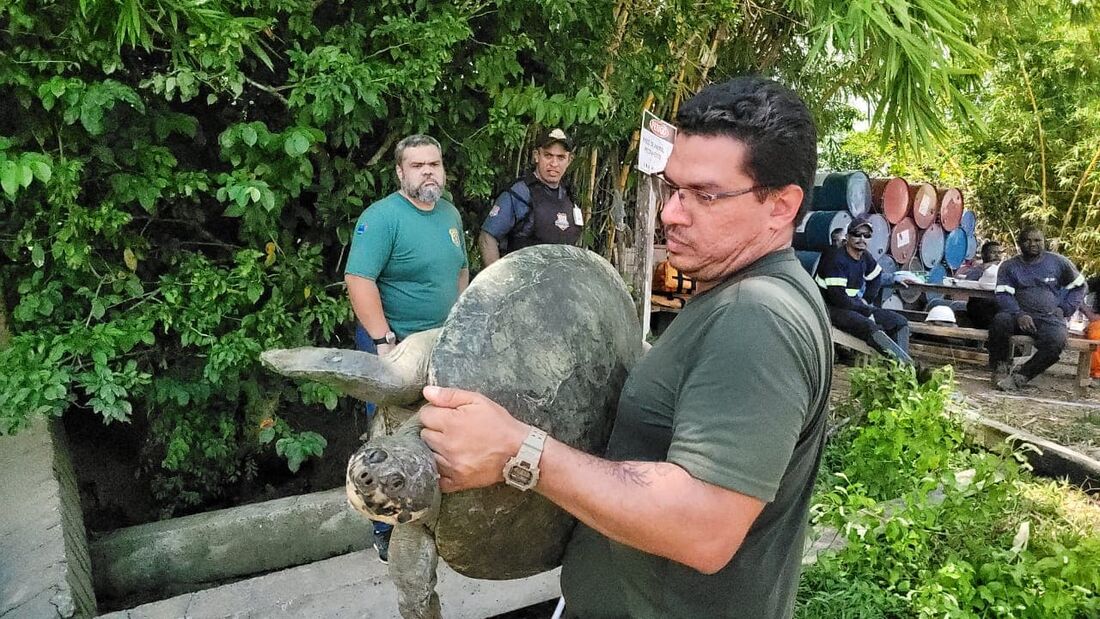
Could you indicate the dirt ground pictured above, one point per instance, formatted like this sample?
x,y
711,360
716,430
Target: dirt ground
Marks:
x,y
1050,407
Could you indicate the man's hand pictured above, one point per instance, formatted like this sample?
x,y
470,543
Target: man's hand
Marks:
x,y
384,349
1025,323
472,437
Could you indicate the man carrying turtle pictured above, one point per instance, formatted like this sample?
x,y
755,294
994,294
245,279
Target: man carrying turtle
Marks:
x,y
1036,292
537,208
848,276
699,506
407,263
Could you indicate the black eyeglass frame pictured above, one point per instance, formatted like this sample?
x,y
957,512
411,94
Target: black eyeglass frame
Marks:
x,y
705,198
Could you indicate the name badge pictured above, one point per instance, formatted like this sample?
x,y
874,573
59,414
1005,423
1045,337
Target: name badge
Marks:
x,y
578,216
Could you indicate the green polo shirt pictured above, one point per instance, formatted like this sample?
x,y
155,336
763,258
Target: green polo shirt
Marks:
x,y
414,258
735,393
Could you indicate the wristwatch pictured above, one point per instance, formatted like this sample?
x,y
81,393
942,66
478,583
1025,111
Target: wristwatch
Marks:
x,y
522,470
389,338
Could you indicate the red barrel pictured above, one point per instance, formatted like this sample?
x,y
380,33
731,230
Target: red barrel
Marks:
x,y
923,203
951,207
903,241
890,196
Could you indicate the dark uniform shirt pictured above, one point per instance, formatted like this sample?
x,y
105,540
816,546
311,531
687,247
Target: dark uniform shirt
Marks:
x,y
1048,289
846,282
530,213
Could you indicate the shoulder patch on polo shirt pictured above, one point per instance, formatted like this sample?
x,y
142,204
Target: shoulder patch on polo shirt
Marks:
x,y
360,229
455,237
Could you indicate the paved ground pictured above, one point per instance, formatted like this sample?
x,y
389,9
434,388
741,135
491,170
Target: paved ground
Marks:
x,y
353,585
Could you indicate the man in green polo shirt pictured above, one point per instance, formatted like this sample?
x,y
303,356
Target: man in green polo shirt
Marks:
x,y
700,504
407,263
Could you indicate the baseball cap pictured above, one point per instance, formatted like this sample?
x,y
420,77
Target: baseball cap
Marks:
x,y
548,137
860,220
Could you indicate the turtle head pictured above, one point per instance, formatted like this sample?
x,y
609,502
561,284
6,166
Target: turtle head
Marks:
x,y
393,479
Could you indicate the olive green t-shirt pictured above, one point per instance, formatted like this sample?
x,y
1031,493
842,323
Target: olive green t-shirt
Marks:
x,y
414,258
734,392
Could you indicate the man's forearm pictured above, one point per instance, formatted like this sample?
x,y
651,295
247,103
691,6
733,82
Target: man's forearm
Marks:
x,y
490,248
463,279
656,507
366,302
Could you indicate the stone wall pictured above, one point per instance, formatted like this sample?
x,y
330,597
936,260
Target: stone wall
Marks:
x,y
44,563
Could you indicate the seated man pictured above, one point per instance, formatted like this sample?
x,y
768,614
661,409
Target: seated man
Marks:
x,y
1036,291
979,311
847,275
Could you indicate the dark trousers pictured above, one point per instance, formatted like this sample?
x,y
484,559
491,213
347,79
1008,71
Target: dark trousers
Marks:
x,y
1050,340
894,324
364,343
981,312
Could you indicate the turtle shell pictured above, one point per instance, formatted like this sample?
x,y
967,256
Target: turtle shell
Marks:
x,y
549,332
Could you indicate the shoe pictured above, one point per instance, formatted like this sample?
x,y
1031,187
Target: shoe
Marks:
x,y
382,545
1000,372
888,346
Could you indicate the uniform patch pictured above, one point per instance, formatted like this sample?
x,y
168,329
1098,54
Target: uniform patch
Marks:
x,y
360,229
455,237
562,221
495,210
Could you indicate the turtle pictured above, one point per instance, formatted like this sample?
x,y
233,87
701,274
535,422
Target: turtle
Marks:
x,y
550,333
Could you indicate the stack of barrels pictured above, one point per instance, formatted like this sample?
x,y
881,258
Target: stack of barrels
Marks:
x,y
915,226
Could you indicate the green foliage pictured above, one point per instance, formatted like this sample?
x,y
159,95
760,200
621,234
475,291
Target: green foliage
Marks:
x,y
944,530
178,179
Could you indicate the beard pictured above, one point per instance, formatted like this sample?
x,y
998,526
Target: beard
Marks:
x,y
423,192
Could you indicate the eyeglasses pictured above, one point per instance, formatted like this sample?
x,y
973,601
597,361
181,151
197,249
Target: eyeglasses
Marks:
x,y
695,197
862,235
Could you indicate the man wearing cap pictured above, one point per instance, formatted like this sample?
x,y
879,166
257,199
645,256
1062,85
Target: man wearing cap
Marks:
x,y
847,276
1036,292
537,208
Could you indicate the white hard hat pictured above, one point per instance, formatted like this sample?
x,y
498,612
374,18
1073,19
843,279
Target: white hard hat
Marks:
x,y
989,277
941,313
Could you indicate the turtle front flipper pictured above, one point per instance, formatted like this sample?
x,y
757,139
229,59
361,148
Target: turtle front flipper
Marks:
x,y
413,563
396,378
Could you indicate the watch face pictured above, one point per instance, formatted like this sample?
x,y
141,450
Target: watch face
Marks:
x,y
520,475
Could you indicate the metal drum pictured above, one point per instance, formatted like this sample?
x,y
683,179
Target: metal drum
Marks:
x,y
954,248
936,274
888,266
809,259
879,242
969,222
903,241
951,208
971,245
931,246
844,191
922,200
910,294
815,231
893,302
890,196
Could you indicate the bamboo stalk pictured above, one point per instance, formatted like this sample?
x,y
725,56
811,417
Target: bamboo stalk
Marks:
x,y
1039,124
1080,184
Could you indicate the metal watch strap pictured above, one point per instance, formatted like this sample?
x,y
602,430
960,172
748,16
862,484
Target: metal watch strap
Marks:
x,y
527,459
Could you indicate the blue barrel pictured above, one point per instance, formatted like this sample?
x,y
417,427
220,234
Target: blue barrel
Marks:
x,y
971,246
808,259
815,231
969,222
844,191
954,248
879,243
931,246
936,274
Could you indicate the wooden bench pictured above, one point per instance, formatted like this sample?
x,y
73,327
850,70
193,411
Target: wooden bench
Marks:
x,y
1084,347
851,342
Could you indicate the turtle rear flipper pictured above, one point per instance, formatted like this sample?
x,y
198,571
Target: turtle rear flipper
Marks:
x,y
396,378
